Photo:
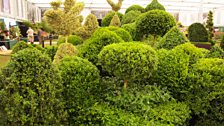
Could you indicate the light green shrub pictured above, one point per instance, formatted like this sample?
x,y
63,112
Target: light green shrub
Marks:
x,y
135,8
215,52
116,22
131,29
130,17
20,46
73,39
122,33
107,19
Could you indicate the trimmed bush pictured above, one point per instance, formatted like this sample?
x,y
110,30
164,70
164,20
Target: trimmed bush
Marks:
x,y
65,49
122,33
51,51
73,39
115,21
107,19
135,8
155,5
152,40
92,47
172,38
20,46
131,29
155,22
32,93
80,79
197,33
215,52
130,17
205,95
129,61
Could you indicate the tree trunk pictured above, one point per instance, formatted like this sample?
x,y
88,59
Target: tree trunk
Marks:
x,y
125,84
66,39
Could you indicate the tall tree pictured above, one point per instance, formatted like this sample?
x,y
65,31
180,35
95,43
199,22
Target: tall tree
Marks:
x,y
65,22
210,26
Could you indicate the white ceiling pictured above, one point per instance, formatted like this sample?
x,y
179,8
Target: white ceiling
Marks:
x,y
170,5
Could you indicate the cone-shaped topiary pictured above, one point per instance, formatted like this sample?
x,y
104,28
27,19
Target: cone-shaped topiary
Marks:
x,y
135,8
172,38
65,49
115,21
197,33
107,19
130,17
155,5
32,93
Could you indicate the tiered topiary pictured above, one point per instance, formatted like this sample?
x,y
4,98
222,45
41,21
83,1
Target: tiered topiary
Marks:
x,y
73,39
155,22
129,61
155,5
130,17
135,8
31,94
197,33
81,80
210,26
92,47
172,38
131,28
107,19
65,49
116,22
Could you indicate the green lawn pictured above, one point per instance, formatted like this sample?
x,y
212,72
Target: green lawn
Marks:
x,y
4,59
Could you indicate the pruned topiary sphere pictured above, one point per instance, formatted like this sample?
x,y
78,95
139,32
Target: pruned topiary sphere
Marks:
x,y
130,17
155,5
135,8
197,33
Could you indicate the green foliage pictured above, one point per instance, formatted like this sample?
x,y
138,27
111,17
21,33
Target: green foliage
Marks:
x,y
73,39
14,32
92,47
115,21
115,7
197,33
51,51
135,8
172,38
222,42
215,52
210,26
2,26
31,93
65,49
20,46
155,5
121,33
45,26
81,80
129,61
131,29
205,95
107,19
152,40
155,22
29,24
130,17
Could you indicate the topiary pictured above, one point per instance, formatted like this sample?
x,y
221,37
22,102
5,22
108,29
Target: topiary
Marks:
x,y
80,79
155,22
115,21
131,29
31,94
20,46
92,47
155,5
126,60
215,52
205,96
172,38
122,33
151,40
51,51
107,19
197,33
73,39
65,49
130,17
222,42
135,8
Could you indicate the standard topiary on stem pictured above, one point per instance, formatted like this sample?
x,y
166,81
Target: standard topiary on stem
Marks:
x,y
210,26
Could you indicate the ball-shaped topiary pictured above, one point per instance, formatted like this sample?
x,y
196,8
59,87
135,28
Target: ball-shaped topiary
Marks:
x,y
107,19
135,8
197,33
73,39
20,46
130,17
122,33
131,28
81,80
92,47
65,49
155,5
155,22
172,38
32,92
129,61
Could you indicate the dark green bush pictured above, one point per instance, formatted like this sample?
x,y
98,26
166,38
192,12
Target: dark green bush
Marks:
x,y
107,19
20,46
129,61
222,42
130,17
73,39
92,47
197,33
51,51
155,5
122,33
205,95
65,49
81,80
131,29
32,90
172,38
135,8
155,22
215,52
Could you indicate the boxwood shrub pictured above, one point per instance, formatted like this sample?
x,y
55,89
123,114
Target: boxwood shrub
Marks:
x,y
215,52
172,38
51,51
131,28
197,33
73,39
107,19
130,17
31,94
155,22
155,5
122,33
135,8
81,80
